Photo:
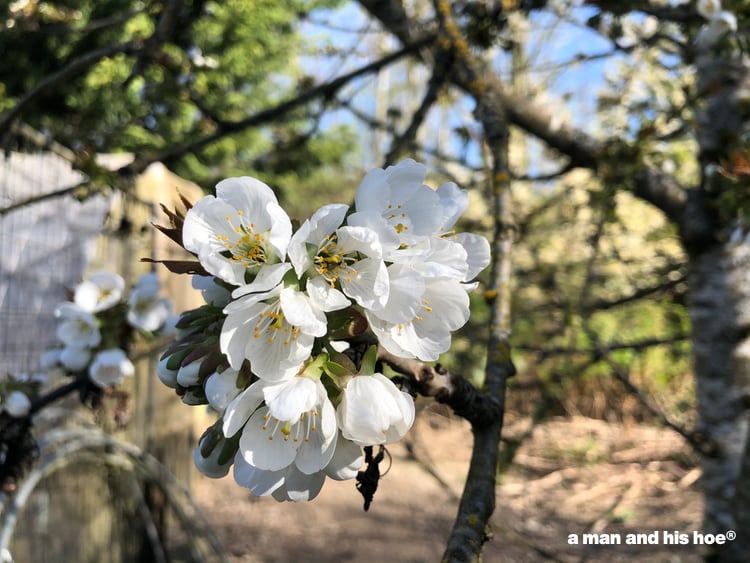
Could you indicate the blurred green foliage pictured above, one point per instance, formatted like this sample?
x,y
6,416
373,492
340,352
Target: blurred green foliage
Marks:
x,y
215,64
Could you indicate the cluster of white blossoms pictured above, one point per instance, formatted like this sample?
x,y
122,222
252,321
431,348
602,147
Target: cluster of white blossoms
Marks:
x,y
94,328
720,22
294,409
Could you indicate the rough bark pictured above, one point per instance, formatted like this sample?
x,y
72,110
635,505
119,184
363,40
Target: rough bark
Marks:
x,y
719,301
719,306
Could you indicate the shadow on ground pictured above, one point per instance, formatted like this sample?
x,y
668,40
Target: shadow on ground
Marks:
x,y
572,476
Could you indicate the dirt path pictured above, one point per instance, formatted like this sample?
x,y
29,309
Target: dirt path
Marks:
x,y
572,477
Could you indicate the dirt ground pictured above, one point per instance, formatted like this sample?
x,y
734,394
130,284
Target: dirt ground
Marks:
x,y
571,476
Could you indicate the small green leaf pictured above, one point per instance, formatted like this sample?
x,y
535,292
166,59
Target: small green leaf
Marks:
x,y
369,360
336,369
175,360
345,361
210,440
314,370
229,449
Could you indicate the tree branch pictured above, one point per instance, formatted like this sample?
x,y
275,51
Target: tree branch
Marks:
x,y
76,66
407,138
82,188
324,91
583,150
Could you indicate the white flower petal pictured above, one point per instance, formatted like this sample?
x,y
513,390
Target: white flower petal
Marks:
x,y
316,452
74,358
212,293
167,376
188,375
300,487
370,192
477,253
100,291
110,367
221,389
210,466
454,201
300,313
373,411
249,195
313,232
288,400
263,445
234,331
444,307
17,404
325,297
268,277
346,461
405,290
260,482
239,410
239,232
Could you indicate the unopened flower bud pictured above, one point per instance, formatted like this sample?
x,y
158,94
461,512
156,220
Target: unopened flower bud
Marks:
x,y
75,359
167,376
110,367
221,388
17,404
189,374
212,465
194,396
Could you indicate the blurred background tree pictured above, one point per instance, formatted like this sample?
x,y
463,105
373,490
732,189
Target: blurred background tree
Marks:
x,y
629,165
146,77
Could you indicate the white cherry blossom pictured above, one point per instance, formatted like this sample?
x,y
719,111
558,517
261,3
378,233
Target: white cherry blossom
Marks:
x,y
340,259
397,205
100,291
304,435
212,293
291,484
147,310
374,411
77,327
709,9
110,367
166,375
74,358
221,388
715,29
210,465
275,330
419,324
238,232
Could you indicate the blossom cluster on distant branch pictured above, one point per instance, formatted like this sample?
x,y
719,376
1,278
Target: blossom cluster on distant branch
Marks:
x,y
272,349
95,330
719,23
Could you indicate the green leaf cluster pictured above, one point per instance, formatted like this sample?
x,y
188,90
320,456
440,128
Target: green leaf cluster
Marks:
x,y
178,77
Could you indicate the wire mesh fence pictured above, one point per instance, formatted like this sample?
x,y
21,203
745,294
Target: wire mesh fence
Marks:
x,y
105,487
45,245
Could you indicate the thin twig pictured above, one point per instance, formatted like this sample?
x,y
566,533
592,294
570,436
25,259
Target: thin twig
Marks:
x,y
325,91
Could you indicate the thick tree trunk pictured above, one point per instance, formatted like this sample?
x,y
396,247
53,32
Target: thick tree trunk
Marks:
x,y
720,313
720,296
